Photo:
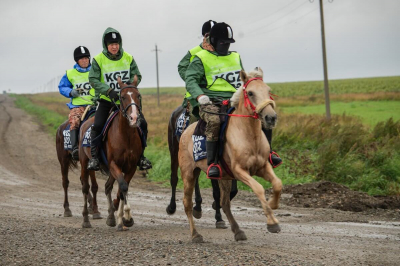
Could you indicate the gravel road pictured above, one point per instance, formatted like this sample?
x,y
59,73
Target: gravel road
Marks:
x,y
33,230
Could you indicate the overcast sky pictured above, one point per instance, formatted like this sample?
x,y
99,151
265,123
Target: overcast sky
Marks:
x,y
37,38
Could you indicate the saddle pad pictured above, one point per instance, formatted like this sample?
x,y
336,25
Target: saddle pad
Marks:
x,y
180,123
67,139
199,148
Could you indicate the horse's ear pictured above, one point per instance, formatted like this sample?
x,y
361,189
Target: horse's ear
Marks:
x,y
243,76
260,71
120,83
135,81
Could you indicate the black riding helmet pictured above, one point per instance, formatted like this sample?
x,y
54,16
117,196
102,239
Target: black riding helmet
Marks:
x,y
221,36
112,37
207,26
80,52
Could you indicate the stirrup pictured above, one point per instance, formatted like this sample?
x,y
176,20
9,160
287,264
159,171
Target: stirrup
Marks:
x,y
145,164
219,177
278,160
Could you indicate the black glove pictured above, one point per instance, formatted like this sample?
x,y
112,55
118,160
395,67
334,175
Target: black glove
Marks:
x,y
113,95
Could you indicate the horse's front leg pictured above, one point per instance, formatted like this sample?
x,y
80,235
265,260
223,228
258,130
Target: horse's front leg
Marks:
x,y
115,172
268,174
272,222
197,211
95,188
127,220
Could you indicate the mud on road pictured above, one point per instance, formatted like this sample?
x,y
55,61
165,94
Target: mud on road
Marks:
x,y
33,230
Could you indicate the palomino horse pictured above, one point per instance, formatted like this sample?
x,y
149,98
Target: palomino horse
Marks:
x,y
67,163
246,153
173,144
122,147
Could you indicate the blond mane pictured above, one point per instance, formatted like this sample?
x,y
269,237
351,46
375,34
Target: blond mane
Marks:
x,y
255,73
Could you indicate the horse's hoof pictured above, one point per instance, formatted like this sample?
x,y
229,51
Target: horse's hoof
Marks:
x,y
121,228
111,221
97,215
220,225
197,214
197,239
170,210
273,228
67,213
86,225
240,236
127,223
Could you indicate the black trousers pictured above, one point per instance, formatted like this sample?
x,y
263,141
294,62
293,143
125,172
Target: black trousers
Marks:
x,y
102,113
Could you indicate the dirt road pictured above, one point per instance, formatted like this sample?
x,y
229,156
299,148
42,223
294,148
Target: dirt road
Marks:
x,y
34,232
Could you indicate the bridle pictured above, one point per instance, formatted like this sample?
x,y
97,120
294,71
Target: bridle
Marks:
x,y
124,109
256,109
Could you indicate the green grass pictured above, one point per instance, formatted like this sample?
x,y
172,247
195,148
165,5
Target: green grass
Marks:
x,y
51,120
370,112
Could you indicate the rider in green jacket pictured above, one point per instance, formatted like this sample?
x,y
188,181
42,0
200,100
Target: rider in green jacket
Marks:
x,y
107,66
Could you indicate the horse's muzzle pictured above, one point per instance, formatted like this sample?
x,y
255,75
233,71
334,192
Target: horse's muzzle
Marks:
x,y
271,120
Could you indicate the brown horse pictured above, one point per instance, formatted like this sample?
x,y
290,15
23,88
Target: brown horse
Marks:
x,y
246,153
67,163
122,147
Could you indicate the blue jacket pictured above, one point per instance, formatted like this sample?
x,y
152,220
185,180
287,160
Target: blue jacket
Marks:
x,y
65,86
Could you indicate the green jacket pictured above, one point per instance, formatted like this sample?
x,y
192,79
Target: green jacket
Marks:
x,y
196,82
95,71
184,63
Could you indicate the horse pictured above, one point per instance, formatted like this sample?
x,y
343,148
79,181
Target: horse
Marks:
x,y
67,163
122,147
173,145
246,152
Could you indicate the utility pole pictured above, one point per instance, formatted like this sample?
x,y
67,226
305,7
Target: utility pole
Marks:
x,y
158,85
326,84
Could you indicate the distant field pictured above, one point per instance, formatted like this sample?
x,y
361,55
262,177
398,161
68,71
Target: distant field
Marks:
x,y
370,112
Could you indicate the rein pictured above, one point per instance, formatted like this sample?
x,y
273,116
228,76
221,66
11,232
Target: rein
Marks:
x,y
124,109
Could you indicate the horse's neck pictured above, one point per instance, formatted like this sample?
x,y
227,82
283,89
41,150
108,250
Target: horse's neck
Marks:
x,y
247,129
125,131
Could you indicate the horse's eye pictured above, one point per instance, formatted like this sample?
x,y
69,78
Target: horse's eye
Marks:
x,y
250,93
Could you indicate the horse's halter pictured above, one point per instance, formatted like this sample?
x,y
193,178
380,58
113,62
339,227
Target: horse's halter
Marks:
x,y
256,109
124,109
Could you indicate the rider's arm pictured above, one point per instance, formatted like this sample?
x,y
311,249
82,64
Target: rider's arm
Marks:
x,y
134,70
65,86
183,65
195,77
95,79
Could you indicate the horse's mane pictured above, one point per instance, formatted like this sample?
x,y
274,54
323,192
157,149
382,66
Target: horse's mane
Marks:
x,y
256,73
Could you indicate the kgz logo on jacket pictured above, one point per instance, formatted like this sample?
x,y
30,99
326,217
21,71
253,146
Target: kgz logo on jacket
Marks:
x,y
85,86
111,78
232,77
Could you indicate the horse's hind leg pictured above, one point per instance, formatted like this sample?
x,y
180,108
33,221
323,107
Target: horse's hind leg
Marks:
x,y
225,186
173,149
189,183
85,192
269,175
95,188
65,183
197,212
220,224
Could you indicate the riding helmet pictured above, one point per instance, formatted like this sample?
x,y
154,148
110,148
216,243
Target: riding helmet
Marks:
x,y
80,52
207,26
221,32
112,37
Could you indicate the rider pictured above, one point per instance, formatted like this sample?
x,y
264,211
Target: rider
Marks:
x,y
75,85
209,85
184,63
107,66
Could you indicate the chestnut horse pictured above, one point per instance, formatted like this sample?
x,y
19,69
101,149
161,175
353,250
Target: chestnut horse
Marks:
x,y
67,163
173,145
122,147
246,152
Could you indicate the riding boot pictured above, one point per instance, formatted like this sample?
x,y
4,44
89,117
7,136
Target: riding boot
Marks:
x,y
74,143
274,158
144,163
214,170
94,163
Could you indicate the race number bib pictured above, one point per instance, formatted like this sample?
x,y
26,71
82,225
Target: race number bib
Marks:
x,y
85,86
181,124
232,77
111,78
199,148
